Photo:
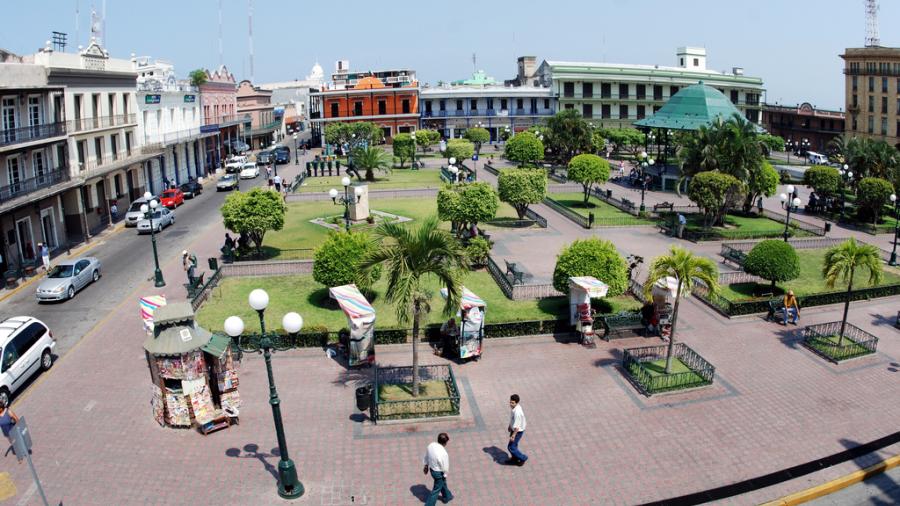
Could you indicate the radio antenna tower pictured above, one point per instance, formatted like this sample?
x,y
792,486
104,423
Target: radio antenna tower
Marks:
x,y
250,21
872,39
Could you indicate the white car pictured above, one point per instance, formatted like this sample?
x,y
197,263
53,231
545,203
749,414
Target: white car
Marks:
x,y
249,171
162,218
26,345
235,164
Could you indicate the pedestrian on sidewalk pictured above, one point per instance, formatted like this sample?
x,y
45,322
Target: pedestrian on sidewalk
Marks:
x,y
7,420
516,431
277,180
682,221
114,211
437,462
45,255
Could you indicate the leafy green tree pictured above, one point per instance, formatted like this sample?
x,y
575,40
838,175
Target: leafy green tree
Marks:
x,y
353,134
570,134
466,205
254,213
372,159
867,157
771,143
774,260
588,170
197,77
687,268
842,262
598,142
524,148
403,147
337,260
411,258
825,181
763,180
522,187
711,191
872,193
427,138
477,251
478,136
628,140
460,149
591,257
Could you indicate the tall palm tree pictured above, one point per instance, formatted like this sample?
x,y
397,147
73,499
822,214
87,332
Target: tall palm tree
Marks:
x,y
687,268
409,257
842,262
371,158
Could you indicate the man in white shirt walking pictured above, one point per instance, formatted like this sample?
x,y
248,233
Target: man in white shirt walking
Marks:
x,y
516,431
437,462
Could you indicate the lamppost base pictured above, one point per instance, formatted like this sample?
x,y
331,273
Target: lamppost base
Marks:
x,y
289,486
158,280
643,208
893,261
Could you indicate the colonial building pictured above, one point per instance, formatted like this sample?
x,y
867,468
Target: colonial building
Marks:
x,y
616,95
218,100
293,98
260,123
388,98
872,93
796,124
483,102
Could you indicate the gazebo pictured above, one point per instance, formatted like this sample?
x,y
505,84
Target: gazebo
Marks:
x,y
692,107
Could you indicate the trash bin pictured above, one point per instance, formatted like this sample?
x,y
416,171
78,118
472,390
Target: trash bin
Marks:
x,y
364,397
213,263
609,194
827,227
590,219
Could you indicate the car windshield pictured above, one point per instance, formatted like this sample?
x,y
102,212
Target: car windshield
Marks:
x,y
61,271
135,206
157,215
229,177
168,194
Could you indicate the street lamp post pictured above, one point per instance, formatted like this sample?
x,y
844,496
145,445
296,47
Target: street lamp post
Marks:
x,y
289,486
346,199
148,211
893,260
789,200
296,151
645,162
846,175
789,144
413,136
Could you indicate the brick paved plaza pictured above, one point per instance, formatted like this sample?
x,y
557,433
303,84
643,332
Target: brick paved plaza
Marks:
x,y
591,437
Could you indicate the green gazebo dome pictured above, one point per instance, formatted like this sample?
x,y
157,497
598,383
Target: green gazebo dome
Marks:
x,y
692,107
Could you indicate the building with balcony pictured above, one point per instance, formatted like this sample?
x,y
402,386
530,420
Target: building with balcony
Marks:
x,y
254,106
170,120
389,98
483,102
872,93
803,123
615,95
218,99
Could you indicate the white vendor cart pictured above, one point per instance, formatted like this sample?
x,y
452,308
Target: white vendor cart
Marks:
x,y
581,290
471,313
360,320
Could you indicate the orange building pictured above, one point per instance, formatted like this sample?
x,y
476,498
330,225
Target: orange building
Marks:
x,y
393,106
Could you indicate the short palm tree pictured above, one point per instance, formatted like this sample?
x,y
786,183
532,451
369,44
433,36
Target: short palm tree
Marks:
x,y
371,159
842,262
687,268
410,256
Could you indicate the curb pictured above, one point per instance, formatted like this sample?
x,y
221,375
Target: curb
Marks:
x,y
837,484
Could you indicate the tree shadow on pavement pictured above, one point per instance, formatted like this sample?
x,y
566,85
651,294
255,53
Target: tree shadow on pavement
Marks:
x,y
887,485
251,451
420,492
790,336
617,357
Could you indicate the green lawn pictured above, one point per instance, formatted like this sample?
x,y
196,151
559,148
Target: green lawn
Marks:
x,y
681,376
603,212
304,295
299,237
742,227
809,282
433,400
828,346
396,179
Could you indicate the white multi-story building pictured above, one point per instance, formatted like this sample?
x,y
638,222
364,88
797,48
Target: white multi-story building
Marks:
x,y
616,95
292,98
170,120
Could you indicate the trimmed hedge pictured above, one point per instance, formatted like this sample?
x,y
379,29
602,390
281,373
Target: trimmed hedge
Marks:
x,y
729,308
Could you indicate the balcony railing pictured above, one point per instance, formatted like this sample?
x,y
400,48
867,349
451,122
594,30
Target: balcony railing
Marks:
x,y
111,161
170,138
490,112
82,124
875,72
26,186
32,133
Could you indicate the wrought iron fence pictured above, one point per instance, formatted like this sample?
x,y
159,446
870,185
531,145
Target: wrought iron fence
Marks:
x,y
802,225
567,213
537,218
490,168
500,278
203,292
797,243
26,186
383,409
824,340
636,361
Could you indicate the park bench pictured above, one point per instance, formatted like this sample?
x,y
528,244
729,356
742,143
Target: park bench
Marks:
x,y
514,274
622,325
628,204
194,285
776,309
664,205
735,256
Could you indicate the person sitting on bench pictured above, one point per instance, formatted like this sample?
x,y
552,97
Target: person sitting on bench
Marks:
x,y
791,308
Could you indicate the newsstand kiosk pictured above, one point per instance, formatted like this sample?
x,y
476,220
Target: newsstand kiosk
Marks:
x,y
361,321
471,313
581,290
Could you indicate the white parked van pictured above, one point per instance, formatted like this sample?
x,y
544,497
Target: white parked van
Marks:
x,y
816,158
26,345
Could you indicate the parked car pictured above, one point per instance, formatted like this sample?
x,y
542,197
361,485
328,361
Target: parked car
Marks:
x,y
228,182
172,198
282,154
235,164
265,157
67,277
239,147
134,214
161,219
26,345
191,189
249,171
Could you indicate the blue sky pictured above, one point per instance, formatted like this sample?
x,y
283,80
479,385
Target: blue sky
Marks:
x,y
793,45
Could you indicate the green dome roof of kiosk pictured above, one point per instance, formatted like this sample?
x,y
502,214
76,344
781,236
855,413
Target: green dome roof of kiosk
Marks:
x,y
692,107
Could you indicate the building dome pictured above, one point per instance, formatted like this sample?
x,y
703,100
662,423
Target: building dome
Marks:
x,y
316,74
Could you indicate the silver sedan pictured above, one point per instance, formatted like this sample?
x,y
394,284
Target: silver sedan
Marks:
x,y
162,218
67,277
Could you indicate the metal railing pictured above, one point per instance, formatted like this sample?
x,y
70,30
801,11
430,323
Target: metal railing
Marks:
x,y
82,124
823,340
500,278
797,243
169,138
801,225
537,218
32,133
95,165
636,360
415,407
26,186
571,215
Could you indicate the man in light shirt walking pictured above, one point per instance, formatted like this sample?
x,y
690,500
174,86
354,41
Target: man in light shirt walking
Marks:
x,y
516,431
437,462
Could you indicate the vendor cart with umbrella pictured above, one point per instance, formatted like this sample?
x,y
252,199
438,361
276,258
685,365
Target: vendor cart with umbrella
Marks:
x,y
361,322
471,334
581,290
